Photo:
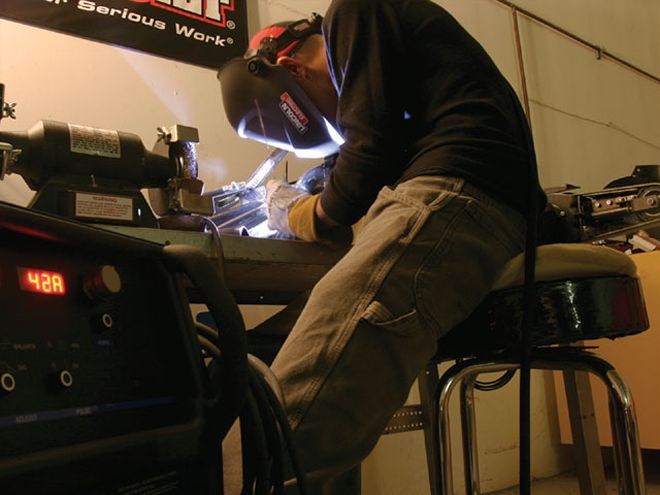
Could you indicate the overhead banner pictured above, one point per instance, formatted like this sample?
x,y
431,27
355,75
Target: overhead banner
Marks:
x,y
200,32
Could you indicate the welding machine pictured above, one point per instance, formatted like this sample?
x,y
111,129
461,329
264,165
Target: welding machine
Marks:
x,y
102,383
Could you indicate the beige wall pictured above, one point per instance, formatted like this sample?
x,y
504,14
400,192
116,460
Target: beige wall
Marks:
x,y
592,119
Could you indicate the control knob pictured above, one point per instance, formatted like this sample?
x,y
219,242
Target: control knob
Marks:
x,y
103,283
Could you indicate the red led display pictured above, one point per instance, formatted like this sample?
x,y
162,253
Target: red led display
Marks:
x,y
41,281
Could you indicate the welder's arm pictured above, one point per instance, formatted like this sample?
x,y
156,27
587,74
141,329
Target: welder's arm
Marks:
x,y
330,231
295,212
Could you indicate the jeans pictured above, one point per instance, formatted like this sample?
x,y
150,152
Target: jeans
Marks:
x,y
428,252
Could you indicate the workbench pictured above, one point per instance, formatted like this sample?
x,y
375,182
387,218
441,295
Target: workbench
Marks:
x,y
256,270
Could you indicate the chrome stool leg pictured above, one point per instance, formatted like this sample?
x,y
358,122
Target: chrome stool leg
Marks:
x,y
427,382
466,370
625,435
469,431
623,422
617,438
622,417
443,484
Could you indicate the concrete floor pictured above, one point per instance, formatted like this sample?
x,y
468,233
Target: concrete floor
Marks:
x,y
567,484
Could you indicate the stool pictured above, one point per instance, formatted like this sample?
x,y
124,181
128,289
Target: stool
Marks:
x,y
582,292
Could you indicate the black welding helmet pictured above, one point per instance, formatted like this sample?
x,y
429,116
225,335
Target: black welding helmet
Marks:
x,y
263,101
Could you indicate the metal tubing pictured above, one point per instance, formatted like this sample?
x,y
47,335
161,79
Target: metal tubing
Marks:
x,y
617,438
453,376
599,50
623,421
469,431
622,417
521,65
427,382
628,436
444,484
625,437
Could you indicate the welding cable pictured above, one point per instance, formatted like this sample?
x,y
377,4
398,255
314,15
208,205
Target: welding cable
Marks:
x,y
252,431
272,435
266,453
207,332
208,278
255,460
210,350
285,428
274,396
258,386
264,373
496,384
254,450
215,236
528,318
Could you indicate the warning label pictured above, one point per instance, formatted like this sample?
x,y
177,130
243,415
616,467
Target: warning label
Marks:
x,y
92,141
103,206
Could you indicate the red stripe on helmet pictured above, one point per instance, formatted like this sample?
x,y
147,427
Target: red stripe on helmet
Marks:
x,y
273,32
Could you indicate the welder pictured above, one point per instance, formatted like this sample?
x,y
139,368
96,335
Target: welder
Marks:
x,y
436,156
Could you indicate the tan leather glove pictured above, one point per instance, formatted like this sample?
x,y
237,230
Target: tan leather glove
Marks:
x,y
305,224
291,210
302,218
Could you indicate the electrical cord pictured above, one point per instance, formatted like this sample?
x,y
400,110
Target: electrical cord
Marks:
x,y
215,236
255,460
233,370
256,478
285,428
272,436
266,426
529,297
498,383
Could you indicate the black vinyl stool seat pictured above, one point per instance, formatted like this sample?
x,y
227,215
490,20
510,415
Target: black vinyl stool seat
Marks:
x,y
582,292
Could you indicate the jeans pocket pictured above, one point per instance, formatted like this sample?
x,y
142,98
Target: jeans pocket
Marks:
x,y
378,315
500,224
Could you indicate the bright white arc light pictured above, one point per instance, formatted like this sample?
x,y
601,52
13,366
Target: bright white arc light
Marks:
x,y
322,150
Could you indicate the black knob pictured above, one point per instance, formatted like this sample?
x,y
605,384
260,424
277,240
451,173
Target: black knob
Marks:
x,y
255,66
103,283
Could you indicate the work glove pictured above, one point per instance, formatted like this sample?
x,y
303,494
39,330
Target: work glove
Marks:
x,y
291,210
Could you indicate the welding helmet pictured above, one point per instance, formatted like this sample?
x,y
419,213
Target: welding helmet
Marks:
x,y
264,102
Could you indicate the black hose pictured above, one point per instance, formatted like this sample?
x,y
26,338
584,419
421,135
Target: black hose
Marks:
x,y
272,434
207,277
256,465
208,334
498,383
252,426
285,428
529,296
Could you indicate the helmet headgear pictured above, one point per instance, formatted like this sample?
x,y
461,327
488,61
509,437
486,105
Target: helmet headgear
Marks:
x,y
285,38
